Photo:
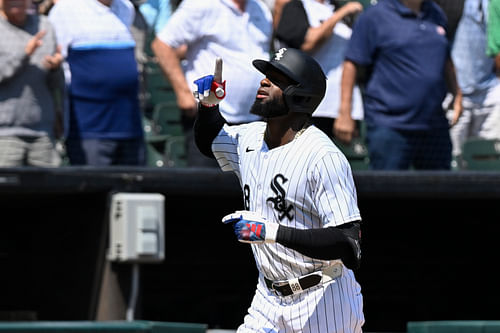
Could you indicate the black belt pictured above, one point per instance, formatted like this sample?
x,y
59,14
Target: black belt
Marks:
x,y
288,288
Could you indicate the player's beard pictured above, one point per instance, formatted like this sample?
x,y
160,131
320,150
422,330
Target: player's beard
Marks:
x,y
275,107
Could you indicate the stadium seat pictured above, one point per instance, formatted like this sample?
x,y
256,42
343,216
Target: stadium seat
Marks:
x,y
166,119
164,136
356,153
175,152
465,326
138,326
481,154
155,157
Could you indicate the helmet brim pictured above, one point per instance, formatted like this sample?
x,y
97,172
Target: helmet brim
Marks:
x,y
265,67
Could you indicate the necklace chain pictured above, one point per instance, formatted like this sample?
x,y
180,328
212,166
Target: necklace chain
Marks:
x,y
299,133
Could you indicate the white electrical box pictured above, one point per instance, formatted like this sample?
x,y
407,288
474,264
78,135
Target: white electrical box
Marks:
x,y
137,226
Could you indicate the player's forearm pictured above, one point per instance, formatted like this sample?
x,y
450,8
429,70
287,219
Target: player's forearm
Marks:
x,y
170,64
326,244
207,126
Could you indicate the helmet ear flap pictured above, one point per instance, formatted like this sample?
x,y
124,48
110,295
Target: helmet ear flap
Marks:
x,y
288,97
296,100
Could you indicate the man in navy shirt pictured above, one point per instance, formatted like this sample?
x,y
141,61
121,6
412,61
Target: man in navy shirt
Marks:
x,y
403,46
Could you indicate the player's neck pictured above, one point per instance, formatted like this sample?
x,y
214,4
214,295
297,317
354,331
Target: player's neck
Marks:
x,y
282,130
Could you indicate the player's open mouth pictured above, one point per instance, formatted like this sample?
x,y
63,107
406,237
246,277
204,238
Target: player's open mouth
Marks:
x,y
261,94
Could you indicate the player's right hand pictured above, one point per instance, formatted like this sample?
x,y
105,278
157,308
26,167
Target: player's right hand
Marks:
x,y
250,227
210,90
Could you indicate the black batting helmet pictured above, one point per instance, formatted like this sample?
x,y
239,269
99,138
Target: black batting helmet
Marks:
x,y
309,89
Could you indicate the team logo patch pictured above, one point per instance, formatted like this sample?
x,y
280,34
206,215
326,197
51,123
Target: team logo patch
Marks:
x,y
279,54
279,202
440,30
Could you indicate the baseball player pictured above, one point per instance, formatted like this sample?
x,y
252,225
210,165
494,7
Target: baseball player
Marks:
x,y
300,206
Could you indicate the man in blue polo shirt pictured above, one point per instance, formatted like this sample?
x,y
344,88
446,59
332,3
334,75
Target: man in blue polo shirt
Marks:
x,y
402,45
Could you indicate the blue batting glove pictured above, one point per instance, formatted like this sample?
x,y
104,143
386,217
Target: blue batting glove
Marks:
x,y
250,231
203,86
250,227
210,90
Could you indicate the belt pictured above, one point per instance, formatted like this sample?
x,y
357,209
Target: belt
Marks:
x,y
298,285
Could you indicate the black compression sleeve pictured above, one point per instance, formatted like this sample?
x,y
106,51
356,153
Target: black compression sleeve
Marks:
x,y
342,242
207,125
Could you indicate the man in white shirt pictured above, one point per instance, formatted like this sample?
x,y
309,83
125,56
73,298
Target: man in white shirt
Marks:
x,y
237,31
316,27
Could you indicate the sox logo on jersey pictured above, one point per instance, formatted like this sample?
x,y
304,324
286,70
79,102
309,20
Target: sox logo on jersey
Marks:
x,y
280,205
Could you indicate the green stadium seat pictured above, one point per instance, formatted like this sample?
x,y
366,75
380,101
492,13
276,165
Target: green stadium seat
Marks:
x,y
165,142
175,152
481,154
166,119
356,153
155,157
459,326
102,326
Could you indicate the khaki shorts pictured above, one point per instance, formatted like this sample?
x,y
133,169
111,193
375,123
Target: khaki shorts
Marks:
x,y
28,151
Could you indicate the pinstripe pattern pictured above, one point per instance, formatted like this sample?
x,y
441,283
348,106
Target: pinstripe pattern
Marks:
x,y
312,182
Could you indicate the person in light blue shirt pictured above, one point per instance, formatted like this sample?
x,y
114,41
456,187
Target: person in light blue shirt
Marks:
x,y
156,13
475,75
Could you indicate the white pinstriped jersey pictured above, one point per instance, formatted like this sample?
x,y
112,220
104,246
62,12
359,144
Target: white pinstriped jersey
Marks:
x,y
304,184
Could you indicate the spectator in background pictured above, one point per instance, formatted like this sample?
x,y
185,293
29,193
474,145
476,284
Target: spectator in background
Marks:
x,y
315,27
479,84
140,34
276,7
453,11
44,6
30,75
156,13
237,31
104,125
403,44
494,33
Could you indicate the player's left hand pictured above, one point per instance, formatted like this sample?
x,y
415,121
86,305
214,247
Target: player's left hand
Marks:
x,y
211,90
250,227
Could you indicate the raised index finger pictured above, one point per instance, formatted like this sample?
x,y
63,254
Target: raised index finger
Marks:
x,y
218,70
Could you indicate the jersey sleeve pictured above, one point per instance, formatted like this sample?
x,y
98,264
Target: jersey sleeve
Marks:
x,y
61,18
335,194
225,147
362,45
186,24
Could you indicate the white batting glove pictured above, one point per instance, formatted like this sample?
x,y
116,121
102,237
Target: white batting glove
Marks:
x,y
250,227
210,90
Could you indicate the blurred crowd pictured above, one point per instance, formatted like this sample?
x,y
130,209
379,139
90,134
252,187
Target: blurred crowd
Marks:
x,y
412,80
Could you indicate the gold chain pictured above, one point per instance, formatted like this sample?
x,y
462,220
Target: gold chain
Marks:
x,y
299,133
